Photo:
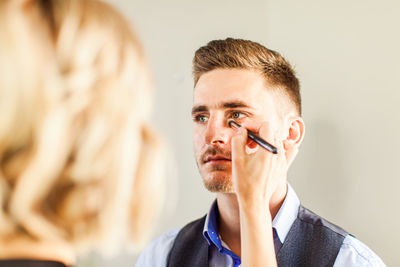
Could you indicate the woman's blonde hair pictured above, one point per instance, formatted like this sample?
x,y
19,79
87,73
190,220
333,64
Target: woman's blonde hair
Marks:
x,y
78,160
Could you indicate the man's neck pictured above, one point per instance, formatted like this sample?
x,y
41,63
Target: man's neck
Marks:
x,y
229,218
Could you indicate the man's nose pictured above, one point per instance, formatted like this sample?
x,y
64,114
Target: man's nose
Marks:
x,y
218,131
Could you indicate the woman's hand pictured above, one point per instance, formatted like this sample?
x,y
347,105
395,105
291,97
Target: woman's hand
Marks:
x,y
256,176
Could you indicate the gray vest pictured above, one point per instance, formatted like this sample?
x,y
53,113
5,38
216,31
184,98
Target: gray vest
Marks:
x,y
311,241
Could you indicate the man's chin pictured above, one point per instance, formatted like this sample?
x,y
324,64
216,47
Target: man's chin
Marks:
x,y
219,185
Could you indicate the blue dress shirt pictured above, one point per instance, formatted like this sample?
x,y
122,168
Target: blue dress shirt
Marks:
x,y
353,253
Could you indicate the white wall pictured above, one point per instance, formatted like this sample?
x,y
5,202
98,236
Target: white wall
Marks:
x,y
346,55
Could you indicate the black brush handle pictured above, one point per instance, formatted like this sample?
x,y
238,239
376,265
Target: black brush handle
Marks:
x,y
256,138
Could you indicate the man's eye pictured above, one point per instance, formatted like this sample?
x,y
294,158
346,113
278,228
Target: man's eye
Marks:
x,y
201,118
237,115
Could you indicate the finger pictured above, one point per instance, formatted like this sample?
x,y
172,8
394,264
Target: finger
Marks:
x,y
282,155
279,145
266,133
238,146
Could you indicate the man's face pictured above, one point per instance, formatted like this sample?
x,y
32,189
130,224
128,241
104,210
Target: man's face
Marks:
x,y
220,95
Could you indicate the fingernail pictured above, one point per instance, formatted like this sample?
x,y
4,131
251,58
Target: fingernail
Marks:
x,y
234,124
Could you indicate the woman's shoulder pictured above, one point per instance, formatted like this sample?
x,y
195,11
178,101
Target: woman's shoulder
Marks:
x,y
30,263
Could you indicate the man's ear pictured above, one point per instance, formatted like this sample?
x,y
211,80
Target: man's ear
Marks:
x,y
293,136
294,132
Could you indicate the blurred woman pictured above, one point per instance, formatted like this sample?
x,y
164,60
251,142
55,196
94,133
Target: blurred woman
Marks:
x,y
79,164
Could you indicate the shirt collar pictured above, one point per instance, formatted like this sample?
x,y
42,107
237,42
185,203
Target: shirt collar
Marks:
x,y
282,222
210,230
287,214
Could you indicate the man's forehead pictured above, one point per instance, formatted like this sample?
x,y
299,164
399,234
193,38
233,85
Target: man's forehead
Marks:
x,y
221,80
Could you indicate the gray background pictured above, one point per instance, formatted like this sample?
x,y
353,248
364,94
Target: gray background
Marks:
x,y
346,54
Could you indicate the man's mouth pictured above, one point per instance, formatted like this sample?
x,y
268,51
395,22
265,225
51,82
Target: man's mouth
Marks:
x,y
216,159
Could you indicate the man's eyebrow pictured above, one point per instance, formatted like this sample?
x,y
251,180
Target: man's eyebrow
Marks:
x,y
235,104
223,105
197,109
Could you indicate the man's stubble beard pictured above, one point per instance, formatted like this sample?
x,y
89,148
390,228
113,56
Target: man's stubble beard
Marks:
x,y
218,182
216,178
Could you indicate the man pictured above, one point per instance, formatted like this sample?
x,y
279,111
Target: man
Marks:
x,y
256,211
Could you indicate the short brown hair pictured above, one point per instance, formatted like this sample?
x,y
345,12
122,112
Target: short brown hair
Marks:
x,y
244,54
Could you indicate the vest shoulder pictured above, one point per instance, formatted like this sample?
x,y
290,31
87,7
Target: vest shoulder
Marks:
x,y
307,216
311,241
